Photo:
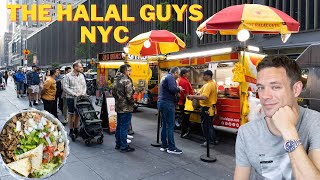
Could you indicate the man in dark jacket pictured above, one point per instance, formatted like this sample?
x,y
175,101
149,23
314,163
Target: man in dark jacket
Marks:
x,y
33,82
122,92
166,105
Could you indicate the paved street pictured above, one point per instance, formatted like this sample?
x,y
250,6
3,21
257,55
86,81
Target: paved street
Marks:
x,y
147,162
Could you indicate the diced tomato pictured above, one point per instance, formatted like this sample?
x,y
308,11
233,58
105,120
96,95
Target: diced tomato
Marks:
x,y
48,156
45,161
49,149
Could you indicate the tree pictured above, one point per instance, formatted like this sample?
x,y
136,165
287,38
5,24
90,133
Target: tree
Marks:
x,y
30,58
84,51
55,64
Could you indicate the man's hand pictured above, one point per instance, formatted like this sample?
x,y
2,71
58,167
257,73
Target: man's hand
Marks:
x,y
190,97
284,120
180,88
78,94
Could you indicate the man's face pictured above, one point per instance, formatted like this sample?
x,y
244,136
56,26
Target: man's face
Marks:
x,y
69,70
176,75
81,69
187,75
275,90
128,72
34,69
78,68
205,77
57,72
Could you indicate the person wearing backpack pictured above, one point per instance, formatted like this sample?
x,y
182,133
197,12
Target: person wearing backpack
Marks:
x,y
19,80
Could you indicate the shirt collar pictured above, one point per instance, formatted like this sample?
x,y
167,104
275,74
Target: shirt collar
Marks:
x,y
74,74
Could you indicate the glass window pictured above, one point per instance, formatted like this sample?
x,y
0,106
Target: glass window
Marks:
x,y
303,16
304,77
295,9
318,4
311,14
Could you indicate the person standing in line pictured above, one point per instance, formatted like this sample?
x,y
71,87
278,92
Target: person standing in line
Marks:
x,y
166,105
40,85
64,98
183,81
48,92
207,100
33,81
122,92
6,76
59,90
1,77
74,86
19,78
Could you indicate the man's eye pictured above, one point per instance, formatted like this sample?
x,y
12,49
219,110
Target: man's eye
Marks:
x,y
276,87
260,88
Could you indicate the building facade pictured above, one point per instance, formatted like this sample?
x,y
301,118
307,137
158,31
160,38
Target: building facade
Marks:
x,y
57,43
4,48
21,30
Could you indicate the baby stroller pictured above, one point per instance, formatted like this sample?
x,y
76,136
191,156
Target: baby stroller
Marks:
x,y
2,84
90,125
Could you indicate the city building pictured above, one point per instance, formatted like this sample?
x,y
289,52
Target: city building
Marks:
x,y
17,45
4,48
65,36
21,30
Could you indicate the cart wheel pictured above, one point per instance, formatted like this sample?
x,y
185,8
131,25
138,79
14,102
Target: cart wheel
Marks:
x,y
87,142
73,137
100,140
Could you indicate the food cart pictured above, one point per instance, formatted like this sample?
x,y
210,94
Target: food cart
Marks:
x,y
235,74
309,62
108,65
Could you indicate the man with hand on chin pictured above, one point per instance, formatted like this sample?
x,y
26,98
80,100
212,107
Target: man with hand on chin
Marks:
x,y
285,144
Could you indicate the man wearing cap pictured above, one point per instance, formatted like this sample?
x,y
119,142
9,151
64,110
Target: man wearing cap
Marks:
x,y
33,82
207,98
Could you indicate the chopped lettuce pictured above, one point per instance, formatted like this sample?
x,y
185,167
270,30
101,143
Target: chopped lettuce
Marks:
x,y
45,169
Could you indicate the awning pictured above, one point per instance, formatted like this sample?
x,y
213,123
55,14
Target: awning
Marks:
x,y
310,56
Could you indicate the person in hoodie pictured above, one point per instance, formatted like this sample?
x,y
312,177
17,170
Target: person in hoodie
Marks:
x,y
122,92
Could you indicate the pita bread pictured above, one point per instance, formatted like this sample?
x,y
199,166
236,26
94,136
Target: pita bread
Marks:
x,y
22,166
35,155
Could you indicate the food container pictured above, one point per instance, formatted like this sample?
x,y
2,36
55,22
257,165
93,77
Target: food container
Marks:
x,y
64,137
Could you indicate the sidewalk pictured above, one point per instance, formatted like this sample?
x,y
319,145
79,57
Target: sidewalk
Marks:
x,y
104,162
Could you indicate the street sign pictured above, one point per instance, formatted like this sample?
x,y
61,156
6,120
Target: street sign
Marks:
x,y
92,62
26,52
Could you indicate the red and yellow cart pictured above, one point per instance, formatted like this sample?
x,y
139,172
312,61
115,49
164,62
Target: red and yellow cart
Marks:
x,y
235,74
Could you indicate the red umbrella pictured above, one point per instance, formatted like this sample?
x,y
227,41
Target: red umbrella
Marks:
x,y
256,18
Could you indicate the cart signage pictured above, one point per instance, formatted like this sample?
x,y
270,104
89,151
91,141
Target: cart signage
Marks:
x,y
228,119
110,56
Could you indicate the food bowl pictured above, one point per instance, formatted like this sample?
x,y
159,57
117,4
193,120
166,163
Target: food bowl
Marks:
x,y
63,138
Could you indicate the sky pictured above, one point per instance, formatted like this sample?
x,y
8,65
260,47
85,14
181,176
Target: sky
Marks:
x,y
3,17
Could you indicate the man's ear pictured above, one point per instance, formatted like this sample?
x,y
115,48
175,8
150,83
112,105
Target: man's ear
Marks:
x,y
297,88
